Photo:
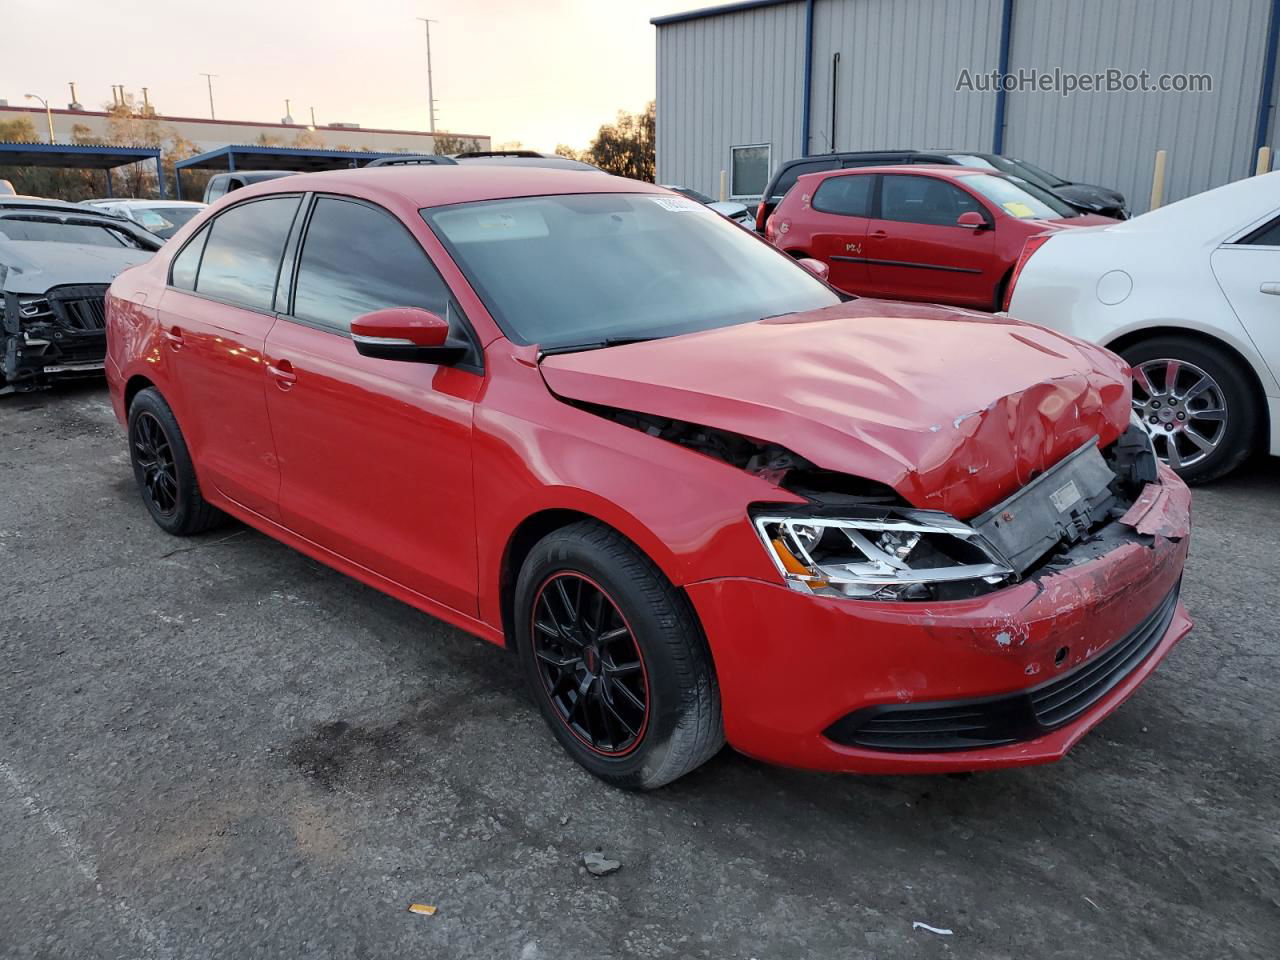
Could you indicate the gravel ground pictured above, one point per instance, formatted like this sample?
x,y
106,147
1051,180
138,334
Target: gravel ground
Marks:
x,y
218,748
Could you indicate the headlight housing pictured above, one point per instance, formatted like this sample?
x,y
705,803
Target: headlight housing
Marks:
x,y
882,554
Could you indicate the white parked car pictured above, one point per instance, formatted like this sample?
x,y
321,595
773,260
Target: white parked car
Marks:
x,y
1189,295
161,217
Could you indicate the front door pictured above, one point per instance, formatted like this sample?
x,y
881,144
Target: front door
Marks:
x,y
215,315
1249,273
916,251
375,455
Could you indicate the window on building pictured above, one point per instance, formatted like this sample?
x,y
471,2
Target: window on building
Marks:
x,y
242,255
339,280
847,196
750,170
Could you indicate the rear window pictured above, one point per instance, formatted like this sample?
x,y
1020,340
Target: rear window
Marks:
x,y
49,230
787,179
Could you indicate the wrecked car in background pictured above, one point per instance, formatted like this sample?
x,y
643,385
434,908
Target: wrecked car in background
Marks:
x,y
56,262
703,495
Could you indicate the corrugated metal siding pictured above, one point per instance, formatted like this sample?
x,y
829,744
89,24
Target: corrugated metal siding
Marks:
x,y
724,81
1111,138
899,60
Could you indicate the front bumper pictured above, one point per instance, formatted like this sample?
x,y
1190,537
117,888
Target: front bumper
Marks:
x,y
793,668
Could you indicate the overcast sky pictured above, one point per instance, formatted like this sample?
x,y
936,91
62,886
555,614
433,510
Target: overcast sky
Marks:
x,y
541,71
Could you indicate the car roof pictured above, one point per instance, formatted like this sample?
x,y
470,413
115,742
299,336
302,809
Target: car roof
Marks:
x,y
143,204
431,186
948,171
52,206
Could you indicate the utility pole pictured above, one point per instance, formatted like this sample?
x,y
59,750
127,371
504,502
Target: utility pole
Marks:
x,y
48,114
313,119
209,78
431,99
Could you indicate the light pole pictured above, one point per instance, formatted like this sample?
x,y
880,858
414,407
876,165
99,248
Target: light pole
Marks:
x,y
48,114
431,99
209,79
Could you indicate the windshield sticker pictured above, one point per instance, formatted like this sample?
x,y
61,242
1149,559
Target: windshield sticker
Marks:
x,y
677,204
1018,209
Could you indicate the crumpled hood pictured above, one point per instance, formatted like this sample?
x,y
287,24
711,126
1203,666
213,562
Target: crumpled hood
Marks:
x,y
35,266
953,409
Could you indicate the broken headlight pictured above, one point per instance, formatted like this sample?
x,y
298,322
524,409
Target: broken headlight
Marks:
x,y
898,554
34,308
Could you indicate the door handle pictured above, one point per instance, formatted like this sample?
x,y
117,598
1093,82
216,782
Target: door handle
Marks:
x,y
282,370
1271,287
878,235
175,338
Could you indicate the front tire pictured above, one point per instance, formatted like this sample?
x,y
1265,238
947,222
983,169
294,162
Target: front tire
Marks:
x,y
162,467
1196,402
616,659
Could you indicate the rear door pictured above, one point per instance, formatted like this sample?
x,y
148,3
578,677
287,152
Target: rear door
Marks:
x,y
839,215
375,455
1249,273
916,251
215,316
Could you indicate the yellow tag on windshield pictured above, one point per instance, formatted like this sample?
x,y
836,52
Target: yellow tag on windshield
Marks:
x,y
1016,208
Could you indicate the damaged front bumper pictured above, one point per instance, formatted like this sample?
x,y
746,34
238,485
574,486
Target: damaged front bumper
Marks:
x,y
59,334
1016,676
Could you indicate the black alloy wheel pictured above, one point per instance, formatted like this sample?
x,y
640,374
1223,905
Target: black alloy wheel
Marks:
x,y
590,664
154,456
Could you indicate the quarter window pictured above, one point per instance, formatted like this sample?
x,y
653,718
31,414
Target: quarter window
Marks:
x,y
182,273
356,259
1267,235
847,196
928,200
750,170
242,255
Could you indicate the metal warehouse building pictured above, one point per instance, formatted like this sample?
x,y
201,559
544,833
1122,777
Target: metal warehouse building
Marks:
x,y
746,86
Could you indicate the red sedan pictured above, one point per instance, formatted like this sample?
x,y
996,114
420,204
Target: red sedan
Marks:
x,y
938,234
702,495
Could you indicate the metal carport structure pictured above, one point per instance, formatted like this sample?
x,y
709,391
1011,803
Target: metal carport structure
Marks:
x,y
80,156
254,157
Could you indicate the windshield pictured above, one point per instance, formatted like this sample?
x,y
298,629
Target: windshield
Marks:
x,y
1039,173
164,222
585,268
692,194
1020,199
1018,168
29,227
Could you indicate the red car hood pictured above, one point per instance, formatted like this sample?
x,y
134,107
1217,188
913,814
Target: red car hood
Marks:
x,y
954,410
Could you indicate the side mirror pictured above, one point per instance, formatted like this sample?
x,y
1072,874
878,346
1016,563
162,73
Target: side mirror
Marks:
x,y
405,333
816,267
971,220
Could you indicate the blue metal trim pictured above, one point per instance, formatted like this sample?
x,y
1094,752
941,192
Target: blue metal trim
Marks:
x,y
717,11
1268,79
1006,37
160,177
806,106
126,154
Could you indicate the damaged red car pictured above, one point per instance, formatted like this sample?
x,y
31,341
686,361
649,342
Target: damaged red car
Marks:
x,y
701,495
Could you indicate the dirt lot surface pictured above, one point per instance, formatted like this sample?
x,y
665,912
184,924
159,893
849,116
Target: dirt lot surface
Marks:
x,y
218,748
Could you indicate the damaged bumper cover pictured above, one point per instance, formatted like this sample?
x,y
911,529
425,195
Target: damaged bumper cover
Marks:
x,y
60,334
1014,676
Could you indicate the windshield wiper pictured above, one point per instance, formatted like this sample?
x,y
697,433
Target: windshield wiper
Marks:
x,y
596,345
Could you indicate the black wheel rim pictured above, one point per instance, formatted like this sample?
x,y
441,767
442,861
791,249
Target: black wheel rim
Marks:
x,y
154,456
591,667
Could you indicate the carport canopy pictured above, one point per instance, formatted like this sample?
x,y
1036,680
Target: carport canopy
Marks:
x,y
80,156
255,157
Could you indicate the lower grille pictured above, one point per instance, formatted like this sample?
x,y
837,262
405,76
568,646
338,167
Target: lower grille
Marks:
x,y
81,306
1007,718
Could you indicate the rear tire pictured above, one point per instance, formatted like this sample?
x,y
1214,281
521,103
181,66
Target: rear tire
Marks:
x,y
637,641
162,467
1231,432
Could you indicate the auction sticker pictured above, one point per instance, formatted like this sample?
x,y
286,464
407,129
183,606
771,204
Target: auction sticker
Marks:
x,y
677,204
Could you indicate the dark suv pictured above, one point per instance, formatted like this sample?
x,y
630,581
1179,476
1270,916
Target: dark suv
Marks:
x,y
1085,197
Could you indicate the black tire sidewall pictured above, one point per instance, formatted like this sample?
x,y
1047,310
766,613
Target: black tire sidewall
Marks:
x,y
186,515
655,627
1242,408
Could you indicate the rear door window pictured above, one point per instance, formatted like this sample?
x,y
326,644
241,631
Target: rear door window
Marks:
x,y
242,254
356,259
846,196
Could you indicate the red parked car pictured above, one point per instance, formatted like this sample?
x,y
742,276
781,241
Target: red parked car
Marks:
x,y
702,495
938,234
